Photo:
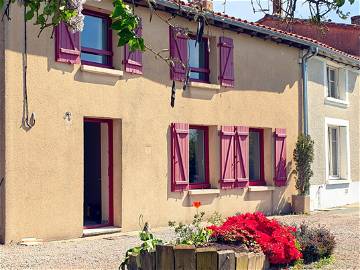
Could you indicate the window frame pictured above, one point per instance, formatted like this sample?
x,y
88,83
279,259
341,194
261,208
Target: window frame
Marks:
x,y
205,70
206,183
330,152
107,53
336,82
261,180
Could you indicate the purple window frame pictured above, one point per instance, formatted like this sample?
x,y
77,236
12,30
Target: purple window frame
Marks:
x,y
205,70
108,53
261,180
206,183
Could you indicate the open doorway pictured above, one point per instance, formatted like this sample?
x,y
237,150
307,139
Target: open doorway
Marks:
x,y
98,182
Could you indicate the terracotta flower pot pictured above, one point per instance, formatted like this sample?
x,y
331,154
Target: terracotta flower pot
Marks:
x,y
301,204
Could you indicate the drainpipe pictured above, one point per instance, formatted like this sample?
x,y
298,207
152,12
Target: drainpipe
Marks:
x,y
312,51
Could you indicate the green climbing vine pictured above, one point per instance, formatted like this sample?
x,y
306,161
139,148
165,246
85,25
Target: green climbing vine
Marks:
x,y
50,13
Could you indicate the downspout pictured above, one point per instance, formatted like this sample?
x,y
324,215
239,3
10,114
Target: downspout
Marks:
x,y
312,51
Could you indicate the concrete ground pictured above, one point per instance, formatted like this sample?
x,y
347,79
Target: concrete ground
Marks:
x,y
106,252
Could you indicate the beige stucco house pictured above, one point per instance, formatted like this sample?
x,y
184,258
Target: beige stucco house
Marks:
x,y
92,140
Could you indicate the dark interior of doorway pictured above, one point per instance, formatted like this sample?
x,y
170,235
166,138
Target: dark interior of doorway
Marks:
x,y
92,174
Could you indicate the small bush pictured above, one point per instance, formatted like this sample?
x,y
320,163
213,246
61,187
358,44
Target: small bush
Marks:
x,y
216,219
276,240
192,234
303,156
316,242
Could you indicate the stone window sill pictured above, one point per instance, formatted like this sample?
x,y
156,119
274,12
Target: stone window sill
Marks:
x,y
334,181
261,188
102,71
204,85
204,191
336,102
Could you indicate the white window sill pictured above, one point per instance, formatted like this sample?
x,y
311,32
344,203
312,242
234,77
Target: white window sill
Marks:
x,y
336,102
204,85
334,181
102,71
204,191
261,188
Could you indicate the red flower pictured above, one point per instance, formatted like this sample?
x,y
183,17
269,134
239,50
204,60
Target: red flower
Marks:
x,y
196,204
276,240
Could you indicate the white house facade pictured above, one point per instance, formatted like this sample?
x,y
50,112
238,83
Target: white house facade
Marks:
x,y
333,100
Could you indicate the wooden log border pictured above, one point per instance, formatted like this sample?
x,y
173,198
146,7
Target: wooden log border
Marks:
x,y
183,257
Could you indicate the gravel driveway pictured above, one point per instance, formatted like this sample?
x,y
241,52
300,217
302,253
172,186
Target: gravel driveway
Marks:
x,y
106,252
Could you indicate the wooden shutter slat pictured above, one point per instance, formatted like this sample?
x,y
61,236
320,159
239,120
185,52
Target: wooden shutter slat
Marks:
x,y
280,157
178,52
67,45
133,60
226,76
179,156
227,159
242,156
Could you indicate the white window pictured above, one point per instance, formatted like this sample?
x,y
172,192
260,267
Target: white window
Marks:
x,y
336,86
332,82
334,150
337,149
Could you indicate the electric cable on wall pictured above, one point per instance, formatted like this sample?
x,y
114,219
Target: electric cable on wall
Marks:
x,y
27,123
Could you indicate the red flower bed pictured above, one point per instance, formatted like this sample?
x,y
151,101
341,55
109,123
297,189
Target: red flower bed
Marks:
x,y
275,240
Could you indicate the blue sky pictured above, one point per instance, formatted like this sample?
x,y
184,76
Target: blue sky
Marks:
x,y
243,9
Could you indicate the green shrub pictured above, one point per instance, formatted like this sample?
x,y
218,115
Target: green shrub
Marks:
x,y
216,219
192,234
303,156
149,243
316,242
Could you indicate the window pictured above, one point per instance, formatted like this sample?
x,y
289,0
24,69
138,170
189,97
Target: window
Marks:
x,y
198,60
256,157
198,157
332,82
96,40
337,149
334,151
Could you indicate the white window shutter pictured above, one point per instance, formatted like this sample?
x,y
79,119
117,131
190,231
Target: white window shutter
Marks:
x,y
342,83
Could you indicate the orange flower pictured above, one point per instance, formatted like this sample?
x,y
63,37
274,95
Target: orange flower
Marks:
x,y
196,204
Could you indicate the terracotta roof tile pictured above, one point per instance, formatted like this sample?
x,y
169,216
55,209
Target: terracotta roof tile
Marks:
x,y
276,30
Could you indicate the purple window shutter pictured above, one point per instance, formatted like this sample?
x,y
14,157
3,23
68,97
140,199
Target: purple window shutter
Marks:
x,y
226,76
179,53
67,45
280,157
133,60
227,158
242,156
179,157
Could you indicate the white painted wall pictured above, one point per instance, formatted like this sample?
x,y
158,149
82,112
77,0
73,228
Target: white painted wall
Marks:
x,y
334,195
324,111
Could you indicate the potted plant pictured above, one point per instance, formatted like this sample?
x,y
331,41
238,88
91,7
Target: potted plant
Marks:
x,y
303,156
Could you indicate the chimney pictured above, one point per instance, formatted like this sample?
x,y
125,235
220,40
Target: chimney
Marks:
x,y
277,7
355,20
206,4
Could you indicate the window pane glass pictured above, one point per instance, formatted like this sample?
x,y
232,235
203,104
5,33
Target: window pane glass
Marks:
x,y
95,33
197,55
332,75
198,76
254,155
197,156
101,59
334,152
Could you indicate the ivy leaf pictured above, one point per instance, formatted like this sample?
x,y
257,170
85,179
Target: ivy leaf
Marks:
x,y
29,15
124,36
340,3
